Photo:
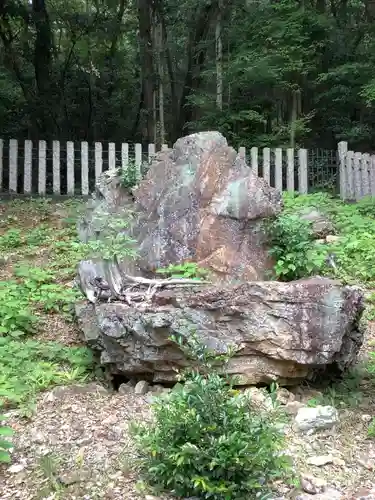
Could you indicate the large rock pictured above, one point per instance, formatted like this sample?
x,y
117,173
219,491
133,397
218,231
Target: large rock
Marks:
x,y
199,201
283,331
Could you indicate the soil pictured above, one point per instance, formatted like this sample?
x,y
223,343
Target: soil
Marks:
x,y
77,444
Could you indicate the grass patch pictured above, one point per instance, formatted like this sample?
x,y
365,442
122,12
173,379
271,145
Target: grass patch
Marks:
x,y
31,366
40,251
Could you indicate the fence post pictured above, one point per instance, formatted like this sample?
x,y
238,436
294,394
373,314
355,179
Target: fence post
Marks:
x,y
357,176
342,148
138,160
279,169
70,168
365,174
42,158
151,152
302,171
372,175
290,170
242,152
28,150
13,165
266,165
111,156
350,188
56,176
84,168
124,155
98,160
254,161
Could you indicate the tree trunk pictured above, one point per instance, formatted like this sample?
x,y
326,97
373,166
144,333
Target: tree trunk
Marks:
x,y
42,65
219,60
145,16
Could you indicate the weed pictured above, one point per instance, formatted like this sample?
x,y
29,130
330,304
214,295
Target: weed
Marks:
x,y
44,364
113,238
343,393
11,239
293,248
5,444
188,270
206,441
129,176
371,429
16,317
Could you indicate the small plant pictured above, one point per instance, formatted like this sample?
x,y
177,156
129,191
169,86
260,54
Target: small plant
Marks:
x,y
11,239
206,440
293,248
113,238
5,444
129,176
44,364
371,429
16,317
188,270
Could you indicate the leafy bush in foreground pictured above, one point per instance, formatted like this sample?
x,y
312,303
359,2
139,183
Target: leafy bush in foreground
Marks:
x,y
207,441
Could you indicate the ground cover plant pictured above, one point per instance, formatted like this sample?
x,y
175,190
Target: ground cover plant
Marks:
x,y
297,254
35,286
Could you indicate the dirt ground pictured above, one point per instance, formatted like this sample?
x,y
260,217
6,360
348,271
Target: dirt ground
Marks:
x,y
76,444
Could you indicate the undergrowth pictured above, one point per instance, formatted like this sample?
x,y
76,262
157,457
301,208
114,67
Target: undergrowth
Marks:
x,y
297,254
28,367
42,260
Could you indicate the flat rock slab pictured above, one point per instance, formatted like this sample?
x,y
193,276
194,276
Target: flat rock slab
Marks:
x,y
282,331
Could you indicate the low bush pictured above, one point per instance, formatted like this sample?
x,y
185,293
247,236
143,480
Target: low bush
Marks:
x,y
207,441
293,248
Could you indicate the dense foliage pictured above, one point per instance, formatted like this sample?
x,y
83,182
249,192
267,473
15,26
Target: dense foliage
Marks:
x,y
297,254
263,73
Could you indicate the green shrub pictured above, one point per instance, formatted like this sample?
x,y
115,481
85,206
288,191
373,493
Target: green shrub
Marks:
x,y
207,441
129,176
293,248
5,444
371,429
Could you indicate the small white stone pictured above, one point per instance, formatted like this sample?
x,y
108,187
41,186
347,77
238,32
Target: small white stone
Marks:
x,y
141,387
15,468
366,418
332,238
320,460
320,417
313,485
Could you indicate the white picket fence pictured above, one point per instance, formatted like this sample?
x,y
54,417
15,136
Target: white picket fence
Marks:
x,y
38,168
